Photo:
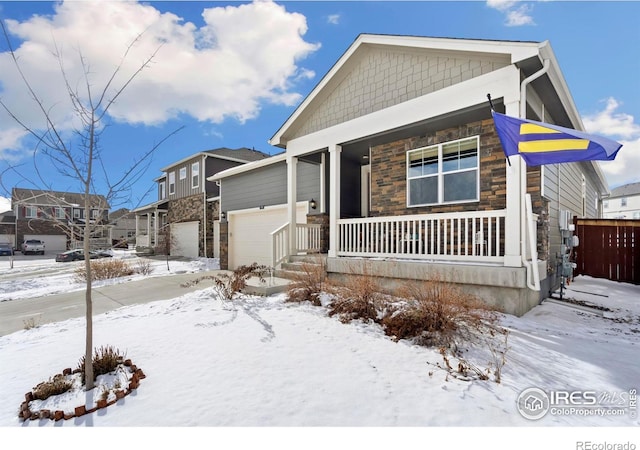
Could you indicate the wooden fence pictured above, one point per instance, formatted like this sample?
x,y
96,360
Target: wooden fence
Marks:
x,y
609,248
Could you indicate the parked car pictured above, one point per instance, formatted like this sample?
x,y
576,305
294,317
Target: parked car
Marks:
x,y
34,246
78,255
6,249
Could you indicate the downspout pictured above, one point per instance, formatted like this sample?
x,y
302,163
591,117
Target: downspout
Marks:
x,y
532,266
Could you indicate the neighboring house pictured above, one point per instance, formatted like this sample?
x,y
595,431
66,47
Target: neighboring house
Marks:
x,y
396,149
623,203
58,218
187,204
123,227
8,228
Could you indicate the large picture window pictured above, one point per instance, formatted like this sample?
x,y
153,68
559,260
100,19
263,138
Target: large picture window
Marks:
x,y
443,173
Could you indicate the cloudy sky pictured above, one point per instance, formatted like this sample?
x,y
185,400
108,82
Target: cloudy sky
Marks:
x,y
231,73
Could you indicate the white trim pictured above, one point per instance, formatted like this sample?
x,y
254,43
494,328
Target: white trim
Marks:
x,y
182,173
196,165
171,175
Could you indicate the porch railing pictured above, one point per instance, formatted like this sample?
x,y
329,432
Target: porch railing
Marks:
x,y
466,236
307,241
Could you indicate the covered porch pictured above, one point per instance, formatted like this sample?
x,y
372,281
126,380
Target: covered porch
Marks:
x,y
150,221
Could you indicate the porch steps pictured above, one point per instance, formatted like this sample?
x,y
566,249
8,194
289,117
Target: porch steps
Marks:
x,y
295,267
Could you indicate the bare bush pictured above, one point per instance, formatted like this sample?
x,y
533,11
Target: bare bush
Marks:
x,y
309,283
104,270
358,298
143,267
105,360
435,313
227,285
57,385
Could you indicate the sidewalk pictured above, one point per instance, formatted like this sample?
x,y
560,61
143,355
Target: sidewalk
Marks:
x,y
55,308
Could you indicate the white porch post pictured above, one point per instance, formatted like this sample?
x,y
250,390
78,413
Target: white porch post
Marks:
x,y
155,227
334,197
323,165
149,229
292,182
137,228
513,221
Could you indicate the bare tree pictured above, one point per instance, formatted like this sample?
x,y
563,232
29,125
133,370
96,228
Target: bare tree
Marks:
x,y
166,243
78,156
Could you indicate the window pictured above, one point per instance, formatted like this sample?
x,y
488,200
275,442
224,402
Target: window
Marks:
x,y
30,212
59,213
444,173
195,172
172,183
95,213
163,190
623,201
605,204
78,213
183,173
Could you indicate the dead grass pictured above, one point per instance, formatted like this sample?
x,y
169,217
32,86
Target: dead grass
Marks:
x,y
359,298
104,270
57,385
227,285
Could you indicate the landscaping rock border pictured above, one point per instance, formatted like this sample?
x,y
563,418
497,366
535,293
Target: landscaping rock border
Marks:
x,y
26,413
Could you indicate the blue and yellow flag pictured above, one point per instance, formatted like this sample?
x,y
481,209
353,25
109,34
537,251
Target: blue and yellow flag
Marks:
x,y
542,143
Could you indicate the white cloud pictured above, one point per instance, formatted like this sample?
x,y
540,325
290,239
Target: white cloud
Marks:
x,y
515,16
242,57
333,19
623,128
5,204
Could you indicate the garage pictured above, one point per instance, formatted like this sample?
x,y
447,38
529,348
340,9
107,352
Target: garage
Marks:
x,y
185,239
53,243
250,233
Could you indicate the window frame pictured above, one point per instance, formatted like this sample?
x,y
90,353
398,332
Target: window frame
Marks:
x,y
59,212
182,173
195,175
441,173
623,202
163,189
172,183
30,212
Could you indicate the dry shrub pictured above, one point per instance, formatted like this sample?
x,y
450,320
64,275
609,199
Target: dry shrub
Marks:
x,y
359,298
435,312
105,360
308,284
104,270
143,266
57,385
228,285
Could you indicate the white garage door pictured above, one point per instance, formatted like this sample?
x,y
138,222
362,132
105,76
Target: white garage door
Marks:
x,y
185,239
250,233
53,243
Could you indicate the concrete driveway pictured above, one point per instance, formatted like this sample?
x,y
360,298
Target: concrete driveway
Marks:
x,y
54,308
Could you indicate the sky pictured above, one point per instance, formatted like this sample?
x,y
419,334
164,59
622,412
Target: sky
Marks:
x,y
293,374
229,74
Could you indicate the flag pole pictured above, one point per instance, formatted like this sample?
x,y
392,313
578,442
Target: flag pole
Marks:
x,y
493,110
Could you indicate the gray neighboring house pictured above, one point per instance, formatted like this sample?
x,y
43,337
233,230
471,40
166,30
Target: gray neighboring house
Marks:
x,y
623,203
187,206
393,167
123,227
8,228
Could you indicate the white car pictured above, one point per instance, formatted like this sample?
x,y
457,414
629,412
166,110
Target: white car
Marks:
x,y
34,246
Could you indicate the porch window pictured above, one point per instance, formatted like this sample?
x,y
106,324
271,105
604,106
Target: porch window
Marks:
x,y
443,173
172,183
195,172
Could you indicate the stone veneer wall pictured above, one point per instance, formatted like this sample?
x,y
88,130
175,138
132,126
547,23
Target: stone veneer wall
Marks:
x,y
323,220
190,209
224,245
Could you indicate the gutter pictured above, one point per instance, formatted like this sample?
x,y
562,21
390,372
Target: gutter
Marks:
x,y
532,266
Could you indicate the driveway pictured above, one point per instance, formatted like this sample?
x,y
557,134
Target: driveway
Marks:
x,y
54,308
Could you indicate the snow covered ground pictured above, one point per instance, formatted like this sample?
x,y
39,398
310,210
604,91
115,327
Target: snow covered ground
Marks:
x,y
263,362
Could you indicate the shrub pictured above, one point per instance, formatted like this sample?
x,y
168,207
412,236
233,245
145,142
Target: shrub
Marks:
x,y
357,299
227,285
435,312
105,360
104,270
143,267
308,284
57,385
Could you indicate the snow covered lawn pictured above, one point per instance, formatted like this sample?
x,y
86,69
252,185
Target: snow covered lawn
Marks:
x,y
265,362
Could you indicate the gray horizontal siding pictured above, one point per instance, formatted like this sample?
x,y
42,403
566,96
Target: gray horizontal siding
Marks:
x,y
267,186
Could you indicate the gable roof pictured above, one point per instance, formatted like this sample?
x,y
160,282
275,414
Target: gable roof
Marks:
x,y
242,155
510,51
626,190
42,197
120,213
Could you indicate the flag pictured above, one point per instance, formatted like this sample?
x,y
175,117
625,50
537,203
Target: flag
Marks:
x,y
542,143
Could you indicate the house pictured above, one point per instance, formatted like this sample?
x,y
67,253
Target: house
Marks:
x,y
8,228
58,218
393,167
623,203
123,227
187,204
